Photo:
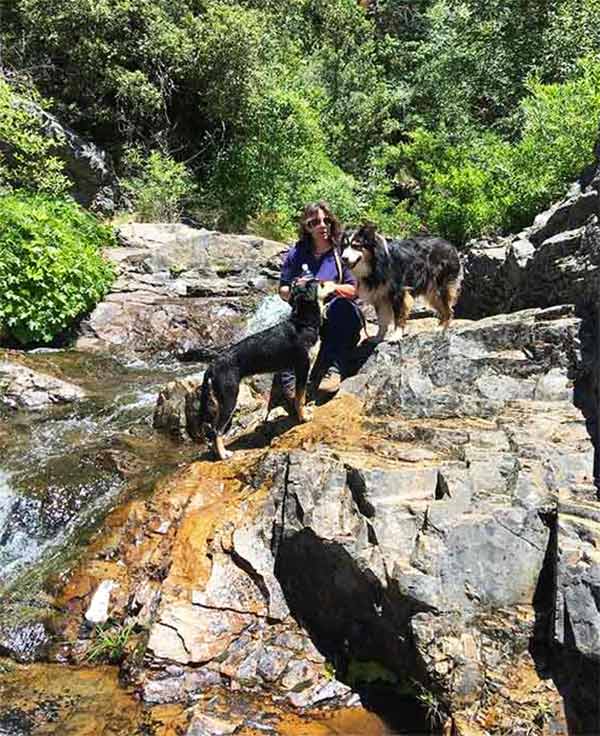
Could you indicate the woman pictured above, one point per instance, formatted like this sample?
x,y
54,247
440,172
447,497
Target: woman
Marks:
x,y
316,255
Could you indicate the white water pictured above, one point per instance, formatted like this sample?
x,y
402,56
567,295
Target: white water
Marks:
x,y
16,547
269,312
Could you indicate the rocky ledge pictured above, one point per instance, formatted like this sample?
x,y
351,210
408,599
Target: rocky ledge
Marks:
x,y
553,261
180,288
22,387
435,527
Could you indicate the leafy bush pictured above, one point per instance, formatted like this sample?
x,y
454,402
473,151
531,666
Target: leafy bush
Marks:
x,y
486,185
276,165
51,267
26,158
159,187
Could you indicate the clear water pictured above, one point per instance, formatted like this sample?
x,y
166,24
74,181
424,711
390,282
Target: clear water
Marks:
x,y
61,470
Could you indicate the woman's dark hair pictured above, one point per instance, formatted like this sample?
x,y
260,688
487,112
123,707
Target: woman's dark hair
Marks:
x,y
310,211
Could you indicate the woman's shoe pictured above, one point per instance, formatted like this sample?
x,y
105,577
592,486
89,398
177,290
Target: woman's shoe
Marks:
x,y
330,383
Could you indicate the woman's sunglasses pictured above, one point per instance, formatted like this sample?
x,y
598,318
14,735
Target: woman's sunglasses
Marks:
x,y
316,221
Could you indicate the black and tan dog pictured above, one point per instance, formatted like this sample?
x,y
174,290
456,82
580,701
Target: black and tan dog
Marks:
x,y
209,409
392,274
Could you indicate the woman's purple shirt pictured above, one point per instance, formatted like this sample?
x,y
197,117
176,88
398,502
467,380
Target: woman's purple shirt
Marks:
x,y
321,267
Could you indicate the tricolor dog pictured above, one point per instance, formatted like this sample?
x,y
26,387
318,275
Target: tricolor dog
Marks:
x,y
391,274
209,409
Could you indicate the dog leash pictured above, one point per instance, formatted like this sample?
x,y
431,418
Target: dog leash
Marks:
x,y
340,270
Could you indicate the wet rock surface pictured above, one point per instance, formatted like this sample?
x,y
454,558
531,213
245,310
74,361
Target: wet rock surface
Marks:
x,y
170,411
24,388
181,288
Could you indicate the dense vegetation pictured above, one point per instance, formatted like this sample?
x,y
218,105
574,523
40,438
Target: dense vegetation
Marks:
x,y
51,269
460,116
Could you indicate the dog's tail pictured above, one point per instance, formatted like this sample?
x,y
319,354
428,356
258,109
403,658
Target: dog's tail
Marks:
x,y
202,410
201,354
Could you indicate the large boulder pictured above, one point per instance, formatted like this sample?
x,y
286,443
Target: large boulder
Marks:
x,y
181,289
554,261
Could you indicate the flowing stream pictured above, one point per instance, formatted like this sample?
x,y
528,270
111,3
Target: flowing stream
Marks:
x,y
63,468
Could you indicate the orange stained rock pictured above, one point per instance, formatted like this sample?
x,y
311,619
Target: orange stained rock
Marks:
x,y
81,701
215,488
84,584
343,722
336,424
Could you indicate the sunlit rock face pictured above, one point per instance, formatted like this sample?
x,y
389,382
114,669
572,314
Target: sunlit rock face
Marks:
x,y
554,261
24,388
94,183
181,289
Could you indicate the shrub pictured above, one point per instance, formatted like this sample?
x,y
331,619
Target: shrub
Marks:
x,y
277,164
26,158
485,185
51,267
159,187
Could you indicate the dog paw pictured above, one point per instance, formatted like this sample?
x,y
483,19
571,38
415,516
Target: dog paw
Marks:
x,y
305,416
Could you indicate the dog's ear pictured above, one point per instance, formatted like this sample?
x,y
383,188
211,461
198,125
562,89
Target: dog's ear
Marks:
x,y
370,229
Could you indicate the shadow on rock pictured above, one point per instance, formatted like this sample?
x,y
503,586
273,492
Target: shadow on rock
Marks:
x,y
356,624
576,677
264,434
587,381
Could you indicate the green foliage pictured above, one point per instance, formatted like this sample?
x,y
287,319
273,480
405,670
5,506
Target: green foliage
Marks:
x,y
276,165
109,643
543,713
433,708
26,158
485,185
51,267
573,32
6,666
367,672
158,186
271,104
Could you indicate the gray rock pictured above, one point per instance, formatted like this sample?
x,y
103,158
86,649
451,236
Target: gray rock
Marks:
x,y
179,686
577,622
23,388
89,167
179,289
556,260
204,724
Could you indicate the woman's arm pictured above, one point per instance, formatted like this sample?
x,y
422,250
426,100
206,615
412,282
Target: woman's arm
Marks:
x,y
288,274
348,291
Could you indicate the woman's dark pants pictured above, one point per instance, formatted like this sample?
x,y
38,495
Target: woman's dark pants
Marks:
x,y
339,335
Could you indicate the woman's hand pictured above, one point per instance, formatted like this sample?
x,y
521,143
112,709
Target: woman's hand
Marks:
x,y
284,293
347,291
